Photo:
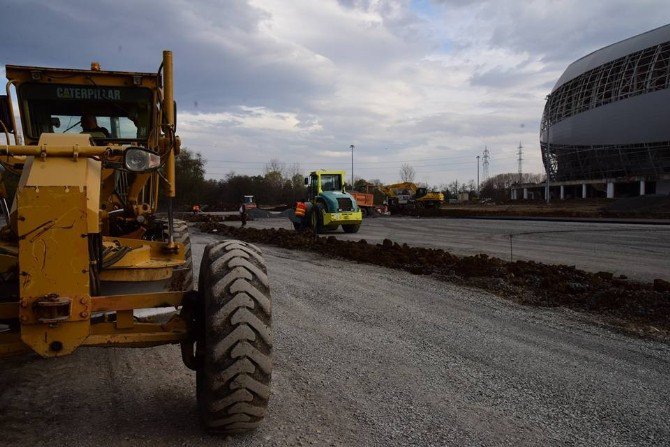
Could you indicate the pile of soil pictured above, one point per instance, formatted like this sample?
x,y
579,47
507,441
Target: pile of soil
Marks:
x,y
649,207
652,204
202,217
256,213
642,308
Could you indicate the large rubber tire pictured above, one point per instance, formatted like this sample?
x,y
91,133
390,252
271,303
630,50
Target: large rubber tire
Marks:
x,y
351,228
182,278
316,219
235,348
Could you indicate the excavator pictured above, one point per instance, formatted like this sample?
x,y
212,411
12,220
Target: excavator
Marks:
x,y
407,195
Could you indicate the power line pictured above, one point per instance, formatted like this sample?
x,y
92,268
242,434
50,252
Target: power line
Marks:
x,y
436,166
392,162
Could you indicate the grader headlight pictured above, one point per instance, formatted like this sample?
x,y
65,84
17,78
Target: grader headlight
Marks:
x,y
139,159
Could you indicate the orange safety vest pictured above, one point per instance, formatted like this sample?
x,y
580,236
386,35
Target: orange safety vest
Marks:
x,y
300,209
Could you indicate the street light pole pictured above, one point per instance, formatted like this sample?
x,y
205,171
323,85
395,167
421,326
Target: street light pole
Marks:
x,y
352,166
477,175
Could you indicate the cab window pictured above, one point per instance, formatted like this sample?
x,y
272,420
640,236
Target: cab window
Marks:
x,y
331,182
117,113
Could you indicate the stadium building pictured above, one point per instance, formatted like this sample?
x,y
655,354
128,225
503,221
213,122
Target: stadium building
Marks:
x,y
605,130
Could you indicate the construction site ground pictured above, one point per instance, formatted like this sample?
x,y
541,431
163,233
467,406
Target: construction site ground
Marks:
x,y
637,251
366,355
570,208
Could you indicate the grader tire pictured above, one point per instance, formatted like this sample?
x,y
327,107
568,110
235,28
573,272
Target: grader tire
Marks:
x,y
182,278
234,375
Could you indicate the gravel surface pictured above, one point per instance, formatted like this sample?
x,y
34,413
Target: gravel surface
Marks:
x,y
588,246
367,356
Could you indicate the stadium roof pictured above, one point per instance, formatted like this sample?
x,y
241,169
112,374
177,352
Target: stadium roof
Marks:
x,y
614,51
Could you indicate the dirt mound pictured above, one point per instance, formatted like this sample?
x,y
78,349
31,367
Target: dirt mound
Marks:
x,y
641,205
651,207
202,217
539,211
634,306
256,213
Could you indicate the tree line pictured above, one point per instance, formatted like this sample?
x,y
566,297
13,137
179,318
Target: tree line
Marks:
x,y
284,184
278,184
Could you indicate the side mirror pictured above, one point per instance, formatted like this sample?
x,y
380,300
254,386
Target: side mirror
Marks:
x,y
306,181
55,121
139,159
5,114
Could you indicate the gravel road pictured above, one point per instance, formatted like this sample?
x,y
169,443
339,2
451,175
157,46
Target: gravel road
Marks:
x,y
366,356
588,246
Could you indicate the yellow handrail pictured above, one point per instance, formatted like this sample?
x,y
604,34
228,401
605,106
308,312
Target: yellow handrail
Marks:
x,y
53,150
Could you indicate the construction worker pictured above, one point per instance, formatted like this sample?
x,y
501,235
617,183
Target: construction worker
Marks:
x,y
89,124
243,213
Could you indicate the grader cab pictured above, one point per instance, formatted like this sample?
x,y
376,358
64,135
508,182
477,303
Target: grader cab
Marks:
x,y
83,248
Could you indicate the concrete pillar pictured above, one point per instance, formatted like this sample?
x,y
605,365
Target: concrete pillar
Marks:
x,y
525,193
642,188
583,190
562,192
610,190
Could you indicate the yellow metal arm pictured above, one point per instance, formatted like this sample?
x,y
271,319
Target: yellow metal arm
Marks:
x,y
53,151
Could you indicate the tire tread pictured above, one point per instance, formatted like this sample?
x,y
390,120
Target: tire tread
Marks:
x,y
235,377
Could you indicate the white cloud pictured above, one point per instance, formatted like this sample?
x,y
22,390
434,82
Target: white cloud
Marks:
x,y
427,82
334,154
256,118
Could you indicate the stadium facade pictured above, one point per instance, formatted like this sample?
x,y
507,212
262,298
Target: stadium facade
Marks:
x,y
606,124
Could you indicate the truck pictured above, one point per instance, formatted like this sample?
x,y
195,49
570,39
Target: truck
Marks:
x,y
365,202
83,248
366,196
327,205
407,195
249,203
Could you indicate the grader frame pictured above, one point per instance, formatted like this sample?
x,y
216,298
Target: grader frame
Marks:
x,y
59,210
83,249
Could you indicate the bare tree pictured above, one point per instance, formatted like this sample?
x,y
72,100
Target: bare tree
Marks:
x,y
275,166
407,173
292,170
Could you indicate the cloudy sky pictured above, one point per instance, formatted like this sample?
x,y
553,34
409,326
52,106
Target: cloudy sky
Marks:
x,y
424,82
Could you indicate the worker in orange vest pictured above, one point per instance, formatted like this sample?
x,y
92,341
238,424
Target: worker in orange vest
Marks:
x,y
243,213
300,209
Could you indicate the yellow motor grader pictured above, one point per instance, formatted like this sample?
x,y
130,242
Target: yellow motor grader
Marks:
x,y
82,247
